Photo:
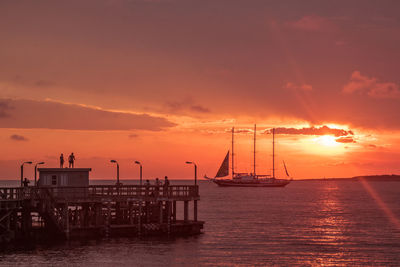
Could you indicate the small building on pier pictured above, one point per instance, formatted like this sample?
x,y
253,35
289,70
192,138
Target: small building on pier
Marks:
x,y
59,177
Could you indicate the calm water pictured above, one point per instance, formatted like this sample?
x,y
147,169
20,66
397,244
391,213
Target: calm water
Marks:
x,y
306,223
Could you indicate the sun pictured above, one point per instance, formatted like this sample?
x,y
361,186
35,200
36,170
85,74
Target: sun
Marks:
x,y
327,140
322,145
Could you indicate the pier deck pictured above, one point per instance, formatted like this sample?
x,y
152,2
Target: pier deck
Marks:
x,y
97,211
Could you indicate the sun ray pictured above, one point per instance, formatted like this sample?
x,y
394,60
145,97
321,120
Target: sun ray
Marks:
x,y
382,205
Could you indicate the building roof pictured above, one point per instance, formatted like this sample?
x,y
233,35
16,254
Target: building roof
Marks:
x,y
64,169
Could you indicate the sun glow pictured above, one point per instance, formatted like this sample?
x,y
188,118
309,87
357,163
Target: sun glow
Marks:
x,y
327,140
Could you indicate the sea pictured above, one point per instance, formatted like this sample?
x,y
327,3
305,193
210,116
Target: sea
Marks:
x,y
307,223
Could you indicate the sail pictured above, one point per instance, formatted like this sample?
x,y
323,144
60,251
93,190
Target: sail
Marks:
x,y
224,169
286,169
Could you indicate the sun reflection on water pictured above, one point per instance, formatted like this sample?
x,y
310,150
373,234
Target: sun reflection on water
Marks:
x,y
329,226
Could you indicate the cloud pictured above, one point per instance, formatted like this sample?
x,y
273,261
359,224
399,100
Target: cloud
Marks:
x,y
184,106
323,130
345,139
56,115
241,130
362,85
17,137
133,136
4,108
311,23
200,109
302,87
25,80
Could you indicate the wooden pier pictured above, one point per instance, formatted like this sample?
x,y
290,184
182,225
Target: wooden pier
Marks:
x,y
40,213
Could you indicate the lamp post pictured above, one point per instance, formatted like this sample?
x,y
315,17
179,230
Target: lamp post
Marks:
x,y
140,202
195,171
36,169
22,170
196,193
114,161
140,164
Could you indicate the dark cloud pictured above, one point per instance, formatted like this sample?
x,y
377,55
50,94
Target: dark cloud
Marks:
x,y
56,115
133,136
239,130
175,106
25,80
243,131
323,130
4,108
17,137
345,139
198,108
185,106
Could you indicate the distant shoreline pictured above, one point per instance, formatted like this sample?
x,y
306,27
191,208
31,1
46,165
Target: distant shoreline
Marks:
x,y
371,178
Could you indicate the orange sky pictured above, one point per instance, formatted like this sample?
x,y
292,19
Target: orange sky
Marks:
x,y
164,81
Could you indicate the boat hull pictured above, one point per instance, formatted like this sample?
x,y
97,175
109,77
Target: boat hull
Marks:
x,y
230,183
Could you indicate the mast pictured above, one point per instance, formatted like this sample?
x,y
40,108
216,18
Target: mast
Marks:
x,y
254,155
273,152
233,162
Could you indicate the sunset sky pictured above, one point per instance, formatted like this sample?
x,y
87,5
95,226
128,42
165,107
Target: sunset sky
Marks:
x,y
163,82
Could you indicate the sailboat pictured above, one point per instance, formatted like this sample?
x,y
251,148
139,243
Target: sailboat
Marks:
x,y
249,179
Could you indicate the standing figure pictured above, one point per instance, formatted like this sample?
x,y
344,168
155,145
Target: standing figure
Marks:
x,y
61,160
147,187
165,186
166,181
71,160
26,182
157,187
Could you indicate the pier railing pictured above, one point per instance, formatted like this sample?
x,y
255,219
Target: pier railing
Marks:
x,y
101,191
144,191
11,193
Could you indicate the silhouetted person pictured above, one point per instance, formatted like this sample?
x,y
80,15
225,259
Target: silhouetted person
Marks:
x,y
147,187
166,181
61,160
157,187
166,185
26,182
71,160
